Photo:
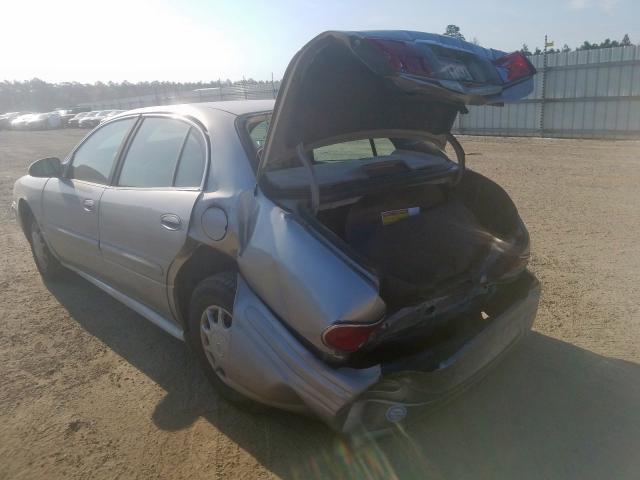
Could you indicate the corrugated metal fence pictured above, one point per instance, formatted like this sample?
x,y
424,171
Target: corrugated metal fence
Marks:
x,y
580,94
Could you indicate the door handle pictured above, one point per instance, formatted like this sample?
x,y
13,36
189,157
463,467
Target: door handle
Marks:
x,y
171,221
88,204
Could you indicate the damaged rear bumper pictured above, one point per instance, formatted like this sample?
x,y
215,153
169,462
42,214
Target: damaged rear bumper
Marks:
x,y
400,397
269,363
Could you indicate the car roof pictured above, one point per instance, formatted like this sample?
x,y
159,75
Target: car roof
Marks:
x,y
234,107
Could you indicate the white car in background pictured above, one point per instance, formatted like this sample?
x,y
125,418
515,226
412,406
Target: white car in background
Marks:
x,y
20,122
75,121
94,120
7,118
43,121
113,113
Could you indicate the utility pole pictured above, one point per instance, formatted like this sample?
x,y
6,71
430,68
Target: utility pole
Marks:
x,y
547,43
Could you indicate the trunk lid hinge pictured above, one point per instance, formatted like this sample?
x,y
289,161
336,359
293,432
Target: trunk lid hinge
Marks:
x,y
460,155
314,189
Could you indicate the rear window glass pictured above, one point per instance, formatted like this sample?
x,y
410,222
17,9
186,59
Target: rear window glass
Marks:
x,y
353,150
258,134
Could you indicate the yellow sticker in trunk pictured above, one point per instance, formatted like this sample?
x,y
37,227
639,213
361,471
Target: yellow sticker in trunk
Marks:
x,y
392,216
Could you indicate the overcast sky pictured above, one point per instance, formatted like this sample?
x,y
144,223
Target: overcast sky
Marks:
x,y
134,40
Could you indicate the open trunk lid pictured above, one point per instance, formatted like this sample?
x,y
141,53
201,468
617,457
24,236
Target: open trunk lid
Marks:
x,y
345,83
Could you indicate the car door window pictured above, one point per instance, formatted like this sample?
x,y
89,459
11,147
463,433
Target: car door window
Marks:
x,y
153,155
93,160
191,164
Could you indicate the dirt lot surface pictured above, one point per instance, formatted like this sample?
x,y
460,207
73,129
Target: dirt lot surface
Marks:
x,y
88,389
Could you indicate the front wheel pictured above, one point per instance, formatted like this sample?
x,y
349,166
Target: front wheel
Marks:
x,y
48,265
209,332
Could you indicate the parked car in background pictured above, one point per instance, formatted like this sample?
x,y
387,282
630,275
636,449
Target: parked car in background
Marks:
x,y
67,114
112,113
74,122
20,122
43,121
93,119
7,118
321,254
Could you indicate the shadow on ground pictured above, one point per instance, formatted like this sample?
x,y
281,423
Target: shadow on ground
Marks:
x,y
549,410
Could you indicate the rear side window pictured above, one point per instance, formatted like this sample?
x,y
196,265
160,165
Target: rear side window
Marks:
x,y
191,164
258,133
153,154
353,150
94,159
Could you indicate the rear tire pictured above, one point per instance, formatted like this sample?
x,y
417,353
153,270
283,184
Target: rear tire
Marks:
x,y
48,265
210,315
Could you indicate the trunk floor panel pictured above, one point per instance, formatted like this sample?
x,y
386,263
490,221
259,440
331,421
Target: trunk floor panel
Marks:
x,y
418,252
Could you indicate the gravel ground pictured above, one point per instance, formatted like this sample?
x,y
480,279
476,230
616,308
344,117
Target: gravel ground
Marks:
x,y
88,389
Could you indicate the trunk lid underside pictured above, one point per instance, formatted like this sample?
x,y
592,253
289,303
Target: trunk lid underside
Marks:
x,y
341,83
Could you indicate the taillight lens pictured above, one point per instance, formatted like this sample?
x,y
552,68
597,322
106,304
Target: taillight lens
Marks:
x,y
402,56
348,337
514,66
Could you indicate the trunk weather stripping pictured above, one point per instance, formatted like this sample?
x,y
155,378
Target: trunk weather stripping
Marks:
x,y
313,182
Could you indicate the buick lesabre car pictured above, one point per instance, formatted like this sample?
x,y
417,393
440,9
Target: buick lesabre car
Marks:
x,y
322,254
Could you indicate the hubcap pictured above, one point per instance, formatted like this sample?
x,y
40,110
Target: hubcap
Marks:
x,y
39,249
215,334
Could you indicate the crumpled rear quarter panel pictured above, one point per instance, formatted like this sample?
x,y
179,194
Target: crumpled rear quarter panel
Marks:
x,y
300,278
267,363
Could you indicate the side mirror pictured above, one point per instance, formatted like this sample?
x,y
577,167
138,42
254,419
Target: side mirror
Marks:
x,y
46,167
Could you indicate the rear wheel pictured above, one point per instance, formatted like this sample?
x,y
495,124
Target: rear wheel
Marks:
x,y
209,333
48,266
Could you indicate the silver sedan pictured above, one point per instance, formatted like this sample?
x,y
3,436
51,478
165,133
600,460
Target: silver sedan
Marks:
x,y
322,254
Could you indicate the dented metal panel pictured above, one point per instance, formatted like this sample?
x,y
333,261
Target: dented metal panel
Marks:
x,y
303,279
268,363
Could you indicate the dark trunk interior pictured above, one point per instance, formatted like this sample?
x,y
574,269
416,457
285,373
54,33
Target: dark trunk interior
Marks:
x,y
458,228
460,261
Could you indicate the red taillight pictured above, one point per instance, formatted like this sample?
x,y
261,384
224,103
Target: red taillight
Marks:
x,y
402,56
514,66
348,337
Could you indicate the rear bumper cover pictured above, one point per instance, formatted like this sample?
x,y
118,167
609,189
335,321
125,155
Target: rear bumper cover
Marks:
x,y
266,362
399,397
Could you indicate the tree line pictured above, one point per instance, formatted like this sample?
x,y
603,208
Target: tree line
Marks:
x,y
39,96
455,32
586,45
